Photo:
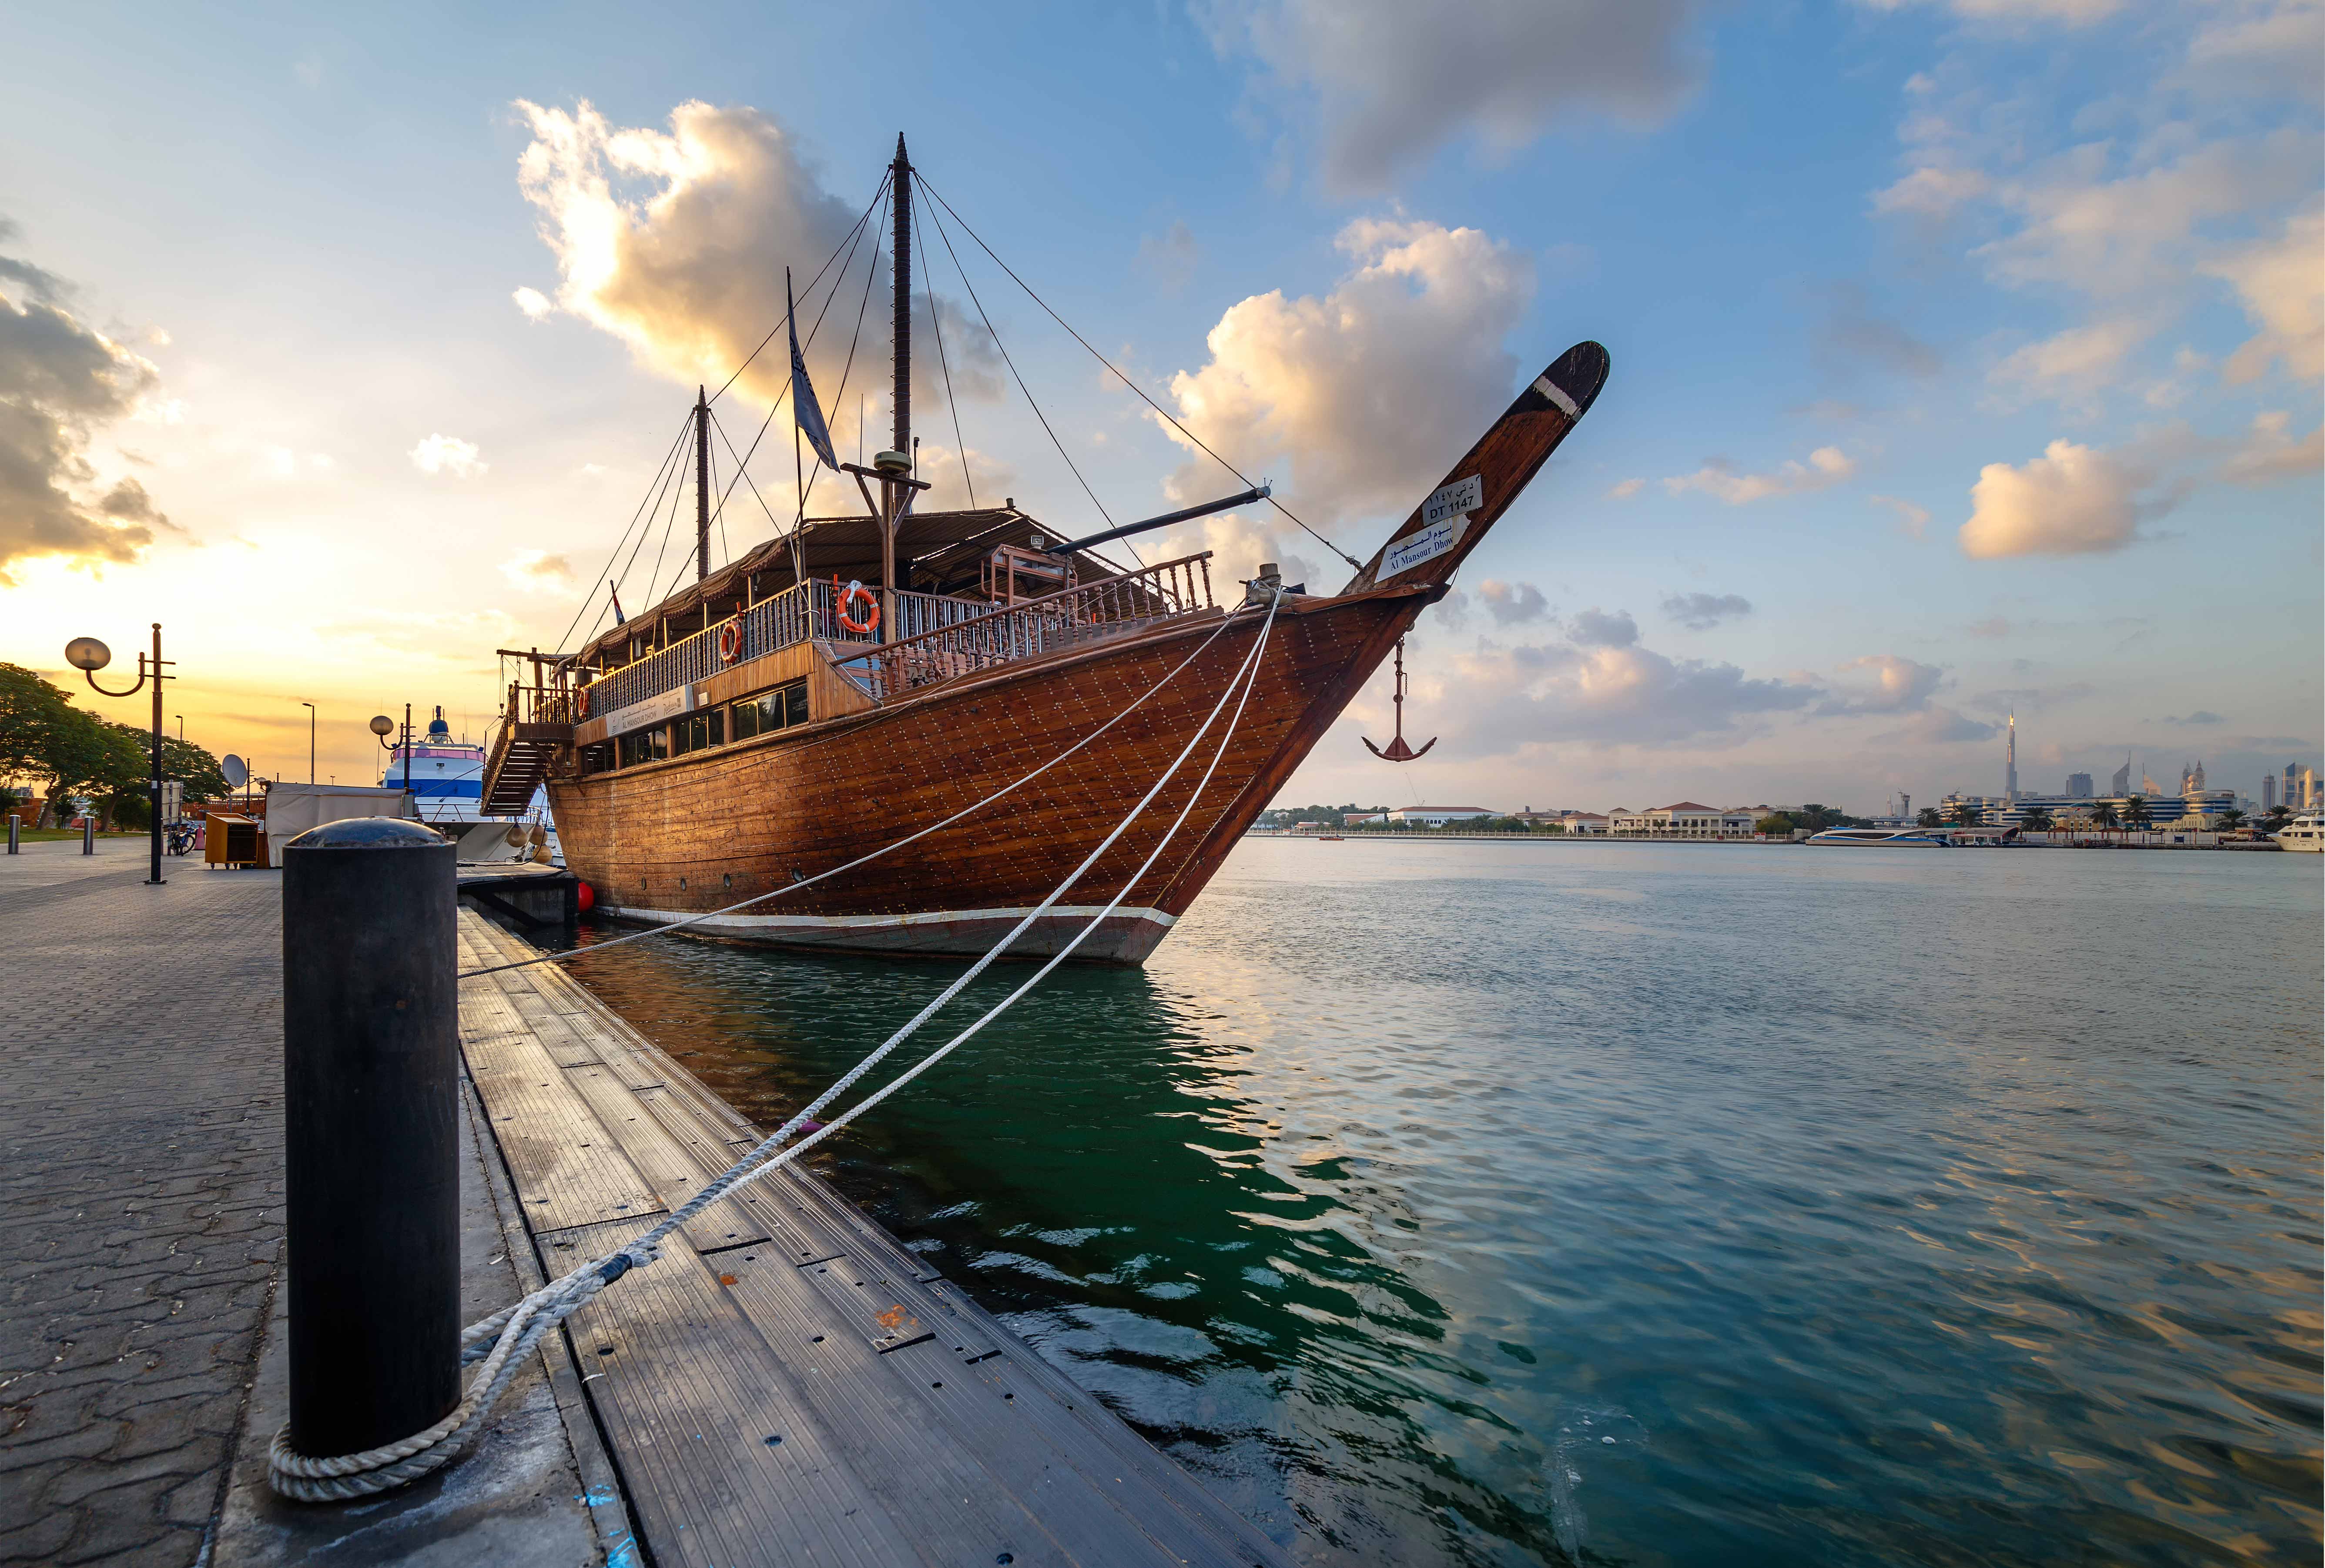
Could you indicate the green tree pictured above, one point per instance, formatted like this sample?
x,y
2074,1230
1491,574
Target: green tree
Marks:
x,y
2232,819
2037,820
36,720
1929,818
2135,813
1775,824
2105,816
1966,815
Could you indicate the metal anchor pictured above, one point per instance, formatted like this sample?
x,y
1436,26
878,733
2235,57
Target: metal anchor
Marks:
x,y
1397,751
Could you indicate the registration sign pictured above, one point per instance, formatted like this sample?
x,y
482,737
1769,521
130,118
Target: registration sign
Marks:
x,y
652,710
1444,518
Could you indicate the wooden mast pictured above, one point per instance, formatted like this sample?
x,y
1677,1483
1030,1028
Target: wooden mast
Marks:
x,y
901,273
701,485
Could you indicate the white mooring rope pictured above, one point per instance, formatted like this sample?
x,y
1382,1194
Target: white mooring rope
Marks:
x,y
503,1340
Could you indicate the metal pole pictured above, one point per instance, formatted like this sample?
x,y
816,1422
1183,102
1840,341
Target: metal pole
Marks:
x,y
407,754
88,835
12,822
371,1117
154,878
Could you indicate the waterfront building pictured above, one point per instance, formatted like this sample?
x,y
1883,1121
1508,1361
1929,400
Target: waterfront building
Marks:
x,y
1588,822
2078,786
2267,791
1683,820
1437,816
2010,762
1364,819
2290,798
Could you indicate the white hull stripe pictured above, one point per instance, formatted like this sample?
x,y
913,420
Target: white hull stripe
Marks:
x,y
836,922
1557,395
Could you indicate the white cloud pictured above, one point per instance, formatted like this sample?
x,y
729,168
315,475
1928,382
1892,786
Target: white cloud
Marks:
x,y
444,454
534,571
1513,604
1882,683
1391,82
2268,44
2072,500
676,243
1371,391
1937,724
535,305
2279,282
1827,466
2075,363
2269,453
1609,693
1624,489
61,380
1932,192
1910,519
1700,612
1595,629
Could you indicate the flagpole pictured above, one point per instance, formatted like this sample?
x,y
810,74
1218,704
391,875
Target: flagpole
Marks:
x,y
799,476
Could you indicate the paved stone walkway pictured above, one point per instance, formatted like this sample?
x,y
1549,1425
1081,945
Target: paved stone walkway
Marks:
x,y
141,1199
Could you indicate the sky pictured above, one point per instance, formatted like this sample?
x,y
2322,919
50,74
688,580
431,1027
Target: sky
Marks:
x,y
1966,352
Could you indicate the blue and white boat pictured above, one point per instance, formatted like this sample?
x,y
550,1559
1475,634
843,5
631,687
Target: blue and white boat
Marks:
x,y
446,781
1884,838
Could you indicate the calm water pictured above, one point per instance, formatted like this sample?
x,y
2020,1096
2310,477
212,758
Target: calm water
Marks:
x,y
1543,1204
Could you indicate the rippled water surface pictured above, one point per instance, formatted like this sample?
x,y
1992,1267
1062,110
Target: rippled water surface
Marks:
x,y
1470,1202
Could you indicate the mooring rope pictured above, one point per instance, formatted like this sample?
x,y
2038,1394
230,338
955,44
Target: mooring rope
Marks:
x,y
503,1340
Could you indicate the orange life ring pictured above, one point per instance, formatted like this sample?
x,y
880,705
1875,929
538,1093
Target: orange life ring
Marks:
x,y
856,590
582,701
730,642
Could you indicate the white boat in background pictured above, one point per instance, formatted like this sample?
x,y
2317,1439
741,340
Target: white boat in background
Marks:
x,y
1884,838
446,780
2304,832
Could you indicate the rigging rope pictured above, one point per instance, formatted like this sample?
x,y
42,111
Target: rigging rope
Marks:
x,y
846,240
936,325
653,488
515,1331
1126,380
1006,359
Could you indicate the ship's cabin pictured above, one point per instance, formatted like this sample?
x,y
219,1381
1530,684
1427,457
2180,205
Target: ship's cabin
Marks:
x,y
837,619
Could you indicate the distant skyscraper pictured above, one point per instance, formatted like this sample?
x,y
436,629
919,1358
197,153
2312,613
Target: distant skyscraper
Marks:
x,y
2078,786
2268,792
2196,779
2121,784
2010,763
2291,796
2147,784
2309,801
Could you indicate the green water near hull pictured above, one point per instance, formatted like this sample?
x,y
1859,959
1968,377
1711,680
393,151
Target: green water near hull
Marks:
x,y
1650,1204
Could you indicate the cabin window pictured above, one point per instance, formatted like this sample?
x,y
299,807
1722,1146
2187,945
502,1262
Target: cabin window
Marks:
x,y
771,710
645,746
597,759
697,730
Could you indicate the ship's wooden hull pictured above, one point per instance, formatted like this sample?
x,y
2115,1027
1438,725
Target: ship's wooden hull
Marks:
x,y
700,832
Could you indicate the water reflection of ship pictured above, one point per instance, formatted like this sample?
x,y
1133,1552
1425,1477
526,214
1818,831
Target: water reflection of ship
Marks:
x,y
445,778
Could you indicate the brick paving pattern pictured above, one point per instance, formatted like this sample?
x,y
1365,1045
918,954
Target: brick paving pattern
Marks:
x,y
140,1195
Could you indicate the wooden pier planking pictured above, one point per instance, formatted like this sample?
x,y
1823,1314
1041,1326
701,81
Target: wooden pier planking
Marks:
x,y
914,1427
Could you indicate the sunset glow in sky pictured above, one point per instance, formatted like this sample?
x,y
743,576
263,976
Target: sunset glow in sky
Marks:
x,y
1967,352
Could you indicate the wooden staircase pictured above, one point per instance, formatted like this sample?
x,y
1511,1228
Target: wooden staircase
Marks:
x,y
522,750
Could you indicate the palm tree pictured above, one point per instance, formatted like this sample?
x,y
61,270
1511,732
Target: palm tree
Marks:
x,y
2038,821
2104,816
2231,820
2135,813
1966,815
1929,818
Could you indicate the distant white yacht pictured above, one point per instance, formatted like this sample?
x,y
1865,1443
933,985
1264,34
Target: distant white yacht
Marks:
x,y
1884,838
2305,831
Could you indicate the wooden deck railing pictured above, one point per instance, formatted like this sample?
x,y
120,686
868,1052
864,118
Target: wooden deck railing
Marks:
x,y
1037,626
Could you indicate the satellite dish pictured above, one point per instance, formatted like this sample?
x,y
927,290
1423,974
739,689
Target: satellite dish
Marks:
x,y
237,773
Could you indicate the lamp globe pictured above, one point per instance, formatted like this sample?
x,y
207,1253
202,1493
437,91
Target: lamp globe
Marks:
x,y
382,724
85,654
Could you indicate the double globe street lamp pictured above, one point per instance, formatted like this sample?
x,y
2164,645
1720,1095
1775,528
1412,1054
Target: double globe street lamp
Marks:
x,y
88,656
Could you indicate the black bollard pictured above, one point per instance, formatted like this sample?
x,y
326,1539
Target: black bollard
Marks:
x,y
12,832
88,835
370,1113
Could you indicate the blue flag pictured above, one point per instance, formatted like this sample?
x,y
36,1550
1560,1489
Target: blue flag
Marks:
x,y
805,409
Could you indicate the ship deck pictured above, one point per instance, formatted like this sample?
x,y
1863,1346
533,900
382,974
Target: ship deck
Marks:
x,y
790,1384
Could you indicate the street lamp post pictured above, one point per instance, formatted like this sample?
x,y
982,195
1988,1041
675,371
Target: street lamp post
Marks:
x,y
384,727
310,707
88,656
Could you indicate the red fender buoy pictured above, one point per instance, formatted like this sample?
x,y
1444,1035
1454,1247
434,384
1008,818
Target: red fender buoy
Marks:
x,y
584,899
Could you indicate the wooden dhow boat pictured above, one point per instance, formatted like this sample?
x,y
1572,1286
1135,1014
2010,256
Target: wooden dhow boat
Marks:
x,y
857,679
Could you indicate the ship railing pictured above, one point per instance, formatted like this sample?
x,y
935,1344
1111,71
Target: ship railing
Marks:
x,y
801,612
1112,606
